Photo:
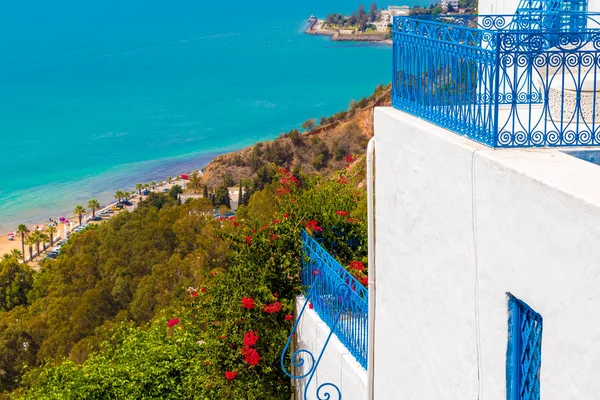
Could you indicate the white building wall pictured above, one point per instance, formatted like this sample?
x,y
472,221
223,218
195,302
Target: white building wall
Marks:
x,y
337,366
457,226
510,6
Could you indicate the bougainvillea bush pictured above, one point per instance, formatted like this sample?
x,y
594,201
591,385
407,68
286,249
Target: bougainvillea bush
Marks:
x,y
224,340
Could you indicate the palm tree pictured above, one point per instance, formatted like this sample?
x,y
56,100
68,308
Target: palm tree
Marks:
x,y
36,239
93,205
79,211
23,231
29,242
139,187
195,183
45,239
16,254
152,184
51,230
170,179
118,195
146,186
7,256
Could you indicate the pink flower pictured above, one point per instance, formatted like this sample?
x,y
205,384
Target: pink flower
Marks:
x,y
173,322
230,375
248,303
310,305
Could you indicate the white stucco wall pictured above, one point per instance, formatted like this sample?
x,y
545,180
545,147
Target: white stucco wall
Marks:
x,y
457,226
337,366
510,6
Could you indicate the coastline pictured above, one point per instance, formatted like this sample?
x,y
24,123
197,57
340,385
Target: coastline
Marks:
x,y
316,28
105,189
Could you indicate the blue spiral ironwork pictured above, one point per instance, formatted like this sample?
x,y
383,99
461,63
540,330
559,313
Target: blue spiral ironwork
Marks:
x,y
522,80
341,302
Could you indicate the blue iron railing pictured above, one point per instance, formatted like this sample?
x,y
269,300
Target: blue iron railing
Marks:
x,y
337,295
341,302
520,80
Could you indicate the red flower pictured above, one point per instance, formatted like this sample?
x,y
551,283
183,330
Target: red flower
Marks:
x,y
213,273
235,224
274,237
310,305
343,180
173,322
194,294
289,317
285,216
276,295
276,221
342,213
283,171
251,356
352,220
365,281
349,159
248,303
316,271
207,363
312,225
230,375
248,240
203,290
357,266
250,339
272,308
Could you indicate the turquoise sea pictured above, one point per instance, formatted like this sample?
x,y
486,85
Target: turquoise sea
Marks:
x,y
98,95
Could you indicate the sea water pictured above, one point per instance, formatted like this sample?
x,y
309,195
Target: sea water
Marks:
x,y
97,95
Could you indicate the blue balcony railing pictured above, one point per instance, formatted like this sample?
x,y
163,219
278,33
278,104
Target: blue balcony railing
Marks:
x,y
523,80
337,297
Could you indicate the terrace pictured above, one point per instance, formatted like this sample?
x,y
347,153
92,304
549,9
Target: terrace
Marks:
x,y
522,80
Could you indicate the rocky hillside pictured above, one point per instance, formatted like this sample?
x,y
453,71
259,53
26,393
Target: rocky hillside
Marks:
x,y
322,149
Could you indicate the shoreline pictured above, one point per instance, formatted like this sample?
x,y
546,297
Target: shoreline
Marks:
x,y
315,28
164,169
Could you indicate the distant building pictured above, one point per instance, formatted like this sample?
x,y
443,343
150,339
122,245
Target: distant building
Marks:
x,y
453,3
398,10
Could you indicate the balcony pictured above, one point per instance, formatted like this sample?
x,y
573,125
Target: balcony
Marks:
x,y
523,80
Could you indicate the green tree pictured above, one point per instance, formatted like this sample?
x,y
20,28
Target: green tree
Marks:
x,y
30,242
194,184
139,187
308,125
373,13
23,231
79,210
51,231
221,196
93,204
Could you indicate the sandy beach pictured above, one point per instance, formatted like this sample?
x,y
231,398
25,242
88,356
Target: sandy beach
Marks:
x,y
63,228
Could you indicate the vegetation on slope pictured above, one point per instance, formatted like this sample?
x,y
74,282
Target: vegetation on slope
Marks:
x,y
167,302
